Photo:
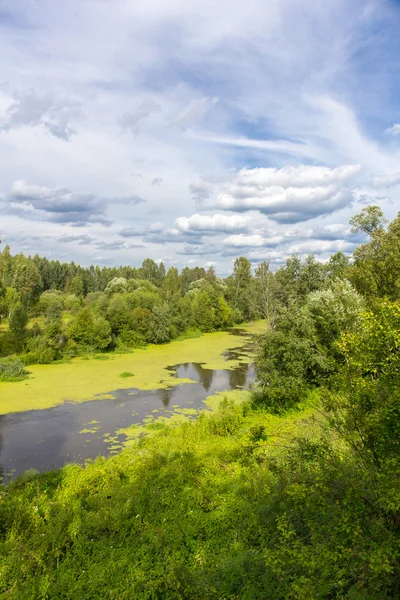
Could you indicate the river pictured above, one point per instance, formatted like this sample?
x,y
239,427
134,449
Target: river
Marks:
x,y
75,432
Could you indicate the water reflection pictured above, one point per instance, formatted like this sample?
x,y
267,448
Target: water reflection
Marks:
x,y
47,439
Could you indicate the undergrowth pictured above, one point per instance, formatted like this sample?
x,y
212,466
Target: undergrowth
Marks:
x,y
233,505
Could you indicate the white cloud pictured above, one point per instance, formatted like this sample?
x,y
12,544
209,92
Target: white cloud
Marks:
x,y
290,194
200,189
252,241
321,246
386,181
129,120
215,223
295,84
31,109
394,130
60,205
194,112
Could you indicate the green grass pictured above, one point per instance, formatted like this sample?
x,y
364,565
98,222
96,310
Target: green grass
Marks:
x,y
126,374
84,379
184,513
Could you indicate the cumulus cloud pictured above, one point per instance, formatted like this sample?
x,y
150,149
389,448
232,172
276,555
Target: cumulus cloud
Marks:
x,y
252,241
200,249
394,130
332,231
201,189
81,240
389,180
211,224
141,231
113,246
61,205
194,112
130,120
32,109
321,247
290,194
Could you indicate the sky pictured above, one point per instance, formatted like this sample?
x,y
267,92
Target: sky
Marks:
x,y
195,131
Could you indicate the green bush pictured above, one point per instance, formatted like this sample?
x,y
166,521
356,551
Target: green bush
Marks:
x,y
12,370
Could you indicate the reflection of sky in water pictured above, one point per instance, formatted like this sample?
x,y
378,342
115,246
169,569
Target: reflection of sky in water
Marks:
x,y
47,439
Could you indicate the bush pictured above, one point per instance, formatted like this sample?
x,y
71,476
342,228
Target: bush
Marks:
x,y
12,370
132,339
90,331
29,358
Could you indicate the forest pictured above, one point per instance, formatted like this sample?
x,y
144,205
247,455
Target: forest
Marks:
x,y
54,311
292,492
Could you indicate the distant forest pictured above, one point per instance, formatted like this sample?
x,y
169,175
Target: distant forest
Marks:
x,y
51,310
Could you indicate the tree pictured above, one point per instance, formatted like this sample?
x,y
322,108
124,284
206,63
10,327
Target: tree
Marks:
x,y
3,307
6,266
117,285
89,330
334,310
240,283
119,313
152,272
262,292
376,267
171,287
26,279
159,328
18,323
370,220
204,308
77,286
338,265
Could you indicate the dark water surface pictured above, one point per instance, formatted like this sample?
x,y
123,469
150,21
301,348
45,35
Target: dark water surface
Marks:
x,y
48,439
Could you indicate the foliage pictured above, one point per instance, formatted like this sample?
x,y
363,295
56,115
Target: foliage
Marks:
x,y
12,370
237,504
335,309
376,268
90,331
291,360
159,329
294,495
117,285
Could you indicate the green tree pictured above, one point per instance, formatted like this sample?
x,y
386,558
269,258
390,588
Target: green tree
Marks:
x,y
89,330
77,286
376,268
159,327
117,285
18,322
26,279
119,313
204,308
370,220
335,310
239,286
171,287
151,271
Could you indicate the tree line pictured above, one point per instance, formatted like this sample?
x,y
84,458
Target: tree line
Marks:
x,y
335,343
52,310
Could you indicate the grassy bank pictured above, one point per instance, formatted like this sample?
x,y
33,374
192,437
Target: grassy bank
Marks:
x,y
80,380
185,513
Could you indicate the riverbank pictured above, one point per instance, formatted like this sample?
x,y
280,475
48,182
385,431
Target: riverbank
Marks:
x,y
84,379
188,512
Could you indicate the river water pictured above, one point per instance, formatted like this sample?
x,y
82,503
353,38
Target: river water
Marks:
x,y
75,432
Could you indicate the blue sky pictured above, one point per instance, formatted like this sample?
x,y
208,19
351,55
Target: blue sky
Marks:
x,y
197,131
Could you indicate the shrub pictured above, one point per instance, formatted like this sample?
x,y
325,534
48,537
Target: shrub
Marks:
x,y
89,330
12,370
